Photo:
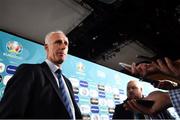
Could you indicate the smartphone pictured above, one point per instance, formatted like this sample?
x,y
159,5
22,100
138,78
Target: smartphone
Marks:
x,y
146,103
125,65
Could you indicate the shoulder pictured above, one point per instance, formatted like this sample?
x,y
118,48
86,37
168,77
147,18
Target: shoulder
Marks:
x,y
28,67
119,105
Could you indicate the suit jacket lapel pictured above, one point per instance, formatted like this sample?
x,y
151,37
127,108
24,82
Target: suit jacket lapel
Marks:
x,y
69,87
51,78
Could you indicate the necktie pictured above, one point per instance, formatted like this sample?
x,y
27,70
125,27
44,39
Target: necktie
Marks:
x,y
64,94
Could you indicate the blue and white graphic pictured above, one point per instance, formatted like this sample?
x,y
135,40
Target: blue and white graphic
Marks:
x,y
14,51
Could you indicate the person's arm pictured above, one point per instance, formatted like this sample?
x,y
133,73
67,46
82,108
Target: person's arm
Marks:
x,y
161,101
159,69
175,99
142,69
166,84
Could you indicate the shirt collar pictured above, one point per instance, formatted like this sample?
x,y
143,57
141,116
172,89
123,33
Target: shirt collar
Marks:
x,y
52,66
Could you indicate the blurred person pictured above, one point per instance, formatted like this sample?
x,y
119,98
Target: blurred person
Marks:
x,y
40,90
134,92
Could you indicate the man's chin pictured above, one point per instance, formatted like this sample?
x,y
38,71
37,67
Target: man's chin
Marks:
x,y
60,61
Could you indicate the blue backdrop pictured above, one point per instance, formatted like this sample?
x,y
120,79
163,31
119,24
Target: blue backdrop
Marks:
x,y
97,89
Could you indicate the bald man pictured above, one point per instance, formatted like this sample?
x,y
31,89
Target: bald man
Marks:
x,y
134,91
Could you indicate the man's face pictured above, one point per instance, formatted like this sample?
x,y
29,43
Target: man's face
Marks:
x,y
57,48
134,91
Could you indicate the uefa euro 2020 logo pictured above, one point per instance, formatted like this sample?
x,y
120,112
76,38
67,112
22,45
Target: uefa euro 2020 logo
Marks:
x,y
14,47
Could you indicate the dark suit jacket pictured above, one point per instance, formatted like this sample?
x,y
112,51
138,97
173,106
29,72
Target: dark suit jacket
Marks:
x,y
33,93
121,113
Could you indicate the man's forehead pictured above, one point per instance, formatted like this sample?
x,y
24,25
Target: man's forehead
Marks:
x,y
58,36
133,83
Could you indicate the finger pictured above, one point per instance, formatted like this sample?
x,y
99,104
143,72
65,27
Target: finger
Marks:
x,y
154,63
138,69
161,64
126,107
131,106
144,69
151,68
163,67
133,68
170,64
128,69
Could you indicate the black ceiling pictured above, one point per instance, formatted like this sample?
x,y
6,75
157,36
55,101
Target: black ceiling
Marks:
x,y
155,23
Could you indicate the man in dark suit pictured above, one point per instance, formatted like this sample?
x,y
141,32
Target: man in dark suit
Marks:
x,y
134,91
34,90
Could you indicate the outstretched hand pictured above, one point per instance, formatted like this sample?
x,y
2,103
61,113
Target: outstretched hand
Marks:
x,y
168,67
166,84
165,66
161,101
142,69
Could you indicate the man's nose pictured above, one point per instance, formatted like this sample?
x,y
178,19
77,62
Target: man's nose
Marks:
x,y
63,46
130,89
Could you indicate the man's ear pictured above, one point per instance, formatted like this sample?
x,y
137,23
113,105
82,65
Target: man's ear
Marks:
x,y
46,47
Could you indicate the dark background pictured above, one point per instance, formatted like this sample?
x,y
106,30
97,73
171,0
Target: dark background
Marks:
x,y
154,23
